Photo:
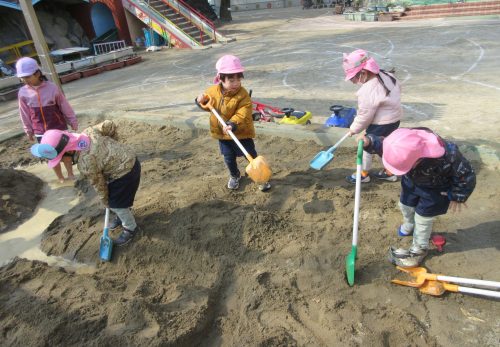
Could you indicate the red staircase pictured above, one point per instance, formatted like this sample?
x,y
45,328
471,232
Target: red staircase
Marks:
x,y
452,10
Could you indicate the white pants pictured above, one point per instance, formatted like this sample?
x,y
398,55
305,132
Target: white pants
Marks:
x,y
420,225
367,161
127,218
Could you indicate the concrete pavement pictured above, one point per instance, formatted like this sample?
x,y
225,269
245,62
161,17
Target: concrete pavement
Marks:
x,y
448,67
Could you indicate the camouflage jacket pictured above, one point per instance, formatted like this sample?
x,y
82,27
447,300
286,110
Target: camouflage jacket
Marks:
x,y
107,159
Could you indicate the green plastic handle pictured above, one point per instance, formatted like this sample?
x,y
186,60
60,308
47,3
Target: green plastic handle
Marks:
x,y
359,158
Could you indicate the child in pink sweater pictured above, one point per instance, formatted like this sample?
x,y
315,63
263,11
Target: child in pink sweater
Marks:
x,y
379,105
42,107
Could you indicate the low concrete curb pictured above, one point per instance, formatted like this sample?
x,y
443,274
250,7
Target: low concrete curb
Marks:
x,y
324,136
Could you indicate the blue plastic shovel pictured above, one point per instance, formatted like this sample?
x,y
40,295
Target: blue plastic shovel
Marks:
x,y
324,157
106,246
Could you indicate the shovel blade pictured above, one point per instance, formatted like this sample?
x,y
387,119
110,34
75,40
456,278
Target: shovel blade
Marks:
x,y
435,288
350,265
105,248
258,170
321,160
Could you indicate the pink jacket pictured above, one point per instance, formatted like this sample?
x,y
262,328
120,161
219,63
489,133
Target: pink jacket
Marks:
x,y
375,107
44,107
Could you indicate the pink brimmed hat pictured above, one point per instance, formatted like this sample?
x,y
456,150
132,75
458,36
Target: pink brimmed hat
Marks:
x,y
57,142
356,61
403,147
228,64
26,67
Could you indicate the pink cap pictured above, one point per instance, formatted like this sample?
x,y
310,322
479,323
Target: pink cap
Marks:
x,y
403,147
228,64
62,142
26,67
356,61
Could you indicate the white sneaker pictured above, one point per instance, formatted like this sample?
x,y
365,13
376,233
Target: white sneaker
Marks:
x,y
264,187
233,183
383,175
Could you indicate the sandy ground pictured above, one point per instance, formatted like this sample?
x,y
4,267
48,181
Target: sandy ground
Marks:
x,y
20,194
213,267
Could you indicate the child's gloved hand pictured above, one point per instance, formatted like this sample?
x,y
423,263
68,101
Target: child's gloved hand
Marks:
x,y
456,204
202,99
366,140
230,126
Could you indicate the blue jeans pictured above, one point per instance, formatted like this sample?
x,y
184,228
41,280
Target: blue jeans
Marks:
x,y
230,150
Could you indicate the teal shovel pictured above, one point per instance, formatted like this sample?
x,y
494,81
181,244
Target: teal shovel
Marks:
x,y
106,245
350,260
324,157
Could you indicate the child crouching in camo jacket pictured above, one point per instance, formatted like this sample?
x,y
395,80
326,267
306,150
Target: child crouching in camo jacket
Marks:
x,y
111,167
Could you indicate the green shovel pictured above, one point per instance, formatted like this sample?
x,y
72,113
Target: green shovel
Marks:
x,y
350,260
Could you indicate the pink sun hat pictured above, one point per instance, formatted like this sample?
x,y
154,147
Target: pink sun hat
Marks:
x,y
227,64
26,67
57,142
404,146
356,61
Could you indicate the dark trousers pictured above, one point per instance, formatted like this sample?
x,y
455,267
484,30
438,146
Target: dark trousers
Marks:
x,y
121,192
230,150
426,201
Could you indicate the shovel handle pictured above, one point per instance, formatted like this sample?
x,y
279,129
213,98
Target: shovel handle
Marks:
x,y
334,147
208,105
357,195
471,281
482,292
106,223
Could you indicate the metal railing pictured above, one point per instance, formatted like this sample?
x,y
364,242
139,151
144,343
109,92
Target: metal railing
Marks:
x,y
150,16
202,23
106,47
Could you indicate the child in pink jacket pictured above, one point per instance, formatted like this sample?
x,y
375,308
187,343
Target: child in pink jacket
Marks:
x,y
379,105
42,107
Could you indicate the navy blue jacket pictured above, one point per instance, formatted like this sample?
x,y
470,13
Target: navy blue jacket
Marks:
x,y
451,173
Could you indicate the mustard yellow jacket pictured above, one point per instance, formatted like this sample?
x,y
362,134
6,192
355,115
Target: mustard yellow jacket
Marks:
x,y
235,107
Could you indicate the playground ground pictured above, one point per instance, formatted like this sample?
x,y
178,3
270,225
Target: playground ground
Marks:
x,y
213,267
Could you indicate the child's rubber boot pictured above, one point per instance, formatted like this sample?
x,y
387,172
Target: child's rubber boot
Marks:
x,y
115,223
125,237
407,257
402,232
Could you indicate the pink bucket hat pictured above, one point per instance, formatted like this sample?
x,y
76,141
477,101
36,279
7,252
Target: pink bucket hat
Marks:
x,y
403,147
26,67
228,64
57,142
356,61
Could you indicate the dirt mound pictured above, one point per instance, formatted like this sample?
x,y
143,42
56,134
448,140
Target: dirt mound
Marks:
x,y
216,267
20,193
16,152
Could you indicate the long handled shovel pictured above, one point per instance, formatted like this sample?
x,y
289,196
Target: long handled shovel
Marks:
x,y
324,157
438,288
421,275
106,245
258,169
350,260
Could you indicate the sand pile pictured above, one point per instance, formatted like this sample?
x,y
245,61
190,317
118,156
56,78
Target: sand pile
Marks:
x,y
214,267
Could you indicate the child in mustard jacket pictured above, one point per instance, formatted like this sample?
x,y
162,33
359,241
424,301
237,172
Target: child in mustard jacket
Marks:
x,y
233,103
